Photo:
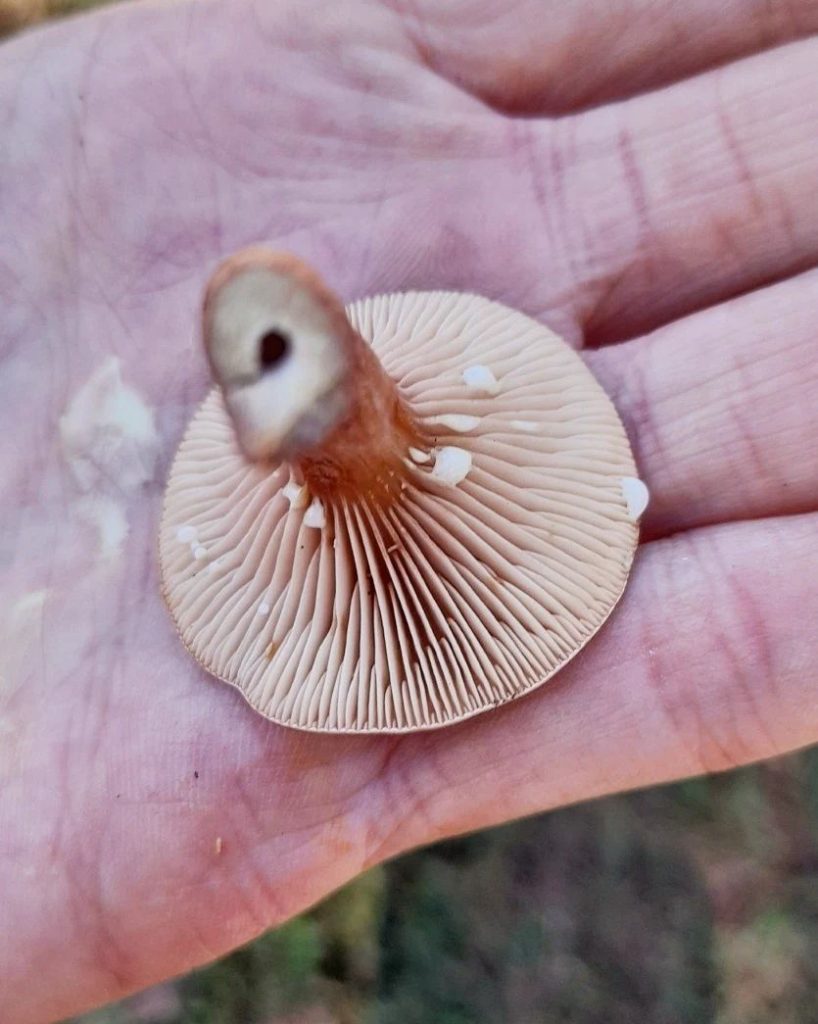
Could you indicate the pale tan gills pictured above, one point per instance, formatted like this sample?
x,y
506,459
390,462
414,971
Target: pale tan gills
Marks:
x,y
453,600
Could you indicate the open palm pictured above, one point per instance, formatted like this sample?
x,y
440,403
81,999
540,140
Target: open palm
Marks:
x,y
532,151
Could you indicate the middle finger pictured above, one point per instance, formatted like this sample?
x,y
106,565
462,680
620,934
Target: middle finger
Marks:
x,y
680,198
722,408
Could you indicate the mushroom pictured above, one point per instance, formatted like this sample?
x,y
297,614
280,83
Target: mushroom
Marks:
x,y
394,516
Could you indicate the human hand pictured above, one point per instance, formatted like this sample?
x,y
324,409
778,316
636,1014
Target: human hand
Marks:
x,y
149,821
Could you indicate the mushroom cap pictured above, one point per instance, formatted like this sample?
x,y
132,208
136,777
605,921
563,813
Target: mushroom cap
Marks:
x,y
507,550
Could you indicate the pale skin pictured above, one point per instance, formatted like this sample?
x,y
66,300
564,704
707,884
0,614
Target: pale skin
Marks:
x,y
640,176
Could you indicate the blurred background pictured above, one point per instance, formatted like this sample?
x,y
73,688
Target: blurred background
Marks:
x,y
690,904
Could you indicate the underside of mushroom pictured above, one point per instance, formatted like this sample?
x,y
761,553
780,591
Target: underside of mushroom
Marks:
x,y
394,516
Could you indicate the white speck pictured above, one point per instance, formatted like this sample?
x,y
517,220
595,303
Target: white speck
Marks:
x,y
636,495
314,516
110,445
458,422
419,456
198,551
108,433
215,565
480,378
529,426
297,495
22,624
29,603
451,465
107,515
263,609
187,534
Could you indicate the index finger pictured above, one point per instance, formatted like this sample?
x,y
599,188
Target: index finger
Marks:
x,y
550,56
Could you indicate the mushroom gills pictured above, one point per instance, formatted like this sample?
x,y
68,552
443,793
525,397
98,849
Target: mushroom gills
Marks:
x,y
364,575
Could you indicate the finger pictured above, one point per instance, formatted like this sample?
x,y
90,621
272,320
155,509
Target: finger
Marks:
x,y
681,198
709,663
722,408
551,56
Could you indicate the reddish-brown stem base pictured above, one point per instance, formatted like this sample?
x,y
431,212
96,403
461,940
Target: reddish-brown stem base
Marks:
x,y
365,457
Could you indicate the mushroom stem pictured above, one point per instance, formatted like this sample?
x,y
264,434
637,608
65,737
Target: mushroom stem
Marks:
x,y
365,455
300,383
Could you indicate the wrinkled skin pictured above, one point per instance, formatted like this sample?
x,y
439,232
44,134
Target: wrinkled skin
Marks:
x,y
640,176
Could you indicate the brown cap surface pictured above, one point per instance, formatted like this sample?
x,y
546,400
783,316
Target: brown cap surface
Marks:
x,y
508,547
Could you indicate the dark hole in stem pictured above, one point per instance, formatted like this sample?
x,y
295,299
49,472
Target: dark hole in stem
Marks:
x,y
273,348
